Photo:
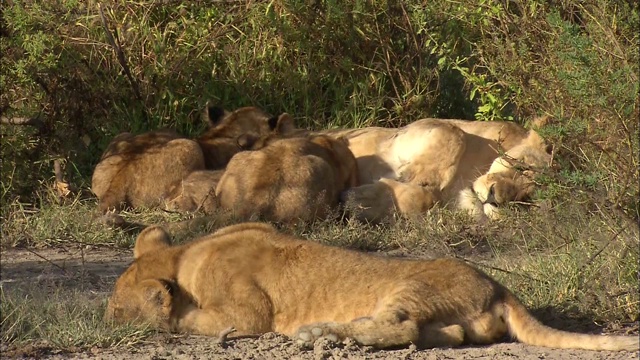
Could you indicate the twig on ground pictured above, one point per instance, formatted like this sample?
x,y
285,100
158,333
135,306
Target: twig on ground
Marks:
x,y
597,253
500,269
525,203
34,121
49,261
222,338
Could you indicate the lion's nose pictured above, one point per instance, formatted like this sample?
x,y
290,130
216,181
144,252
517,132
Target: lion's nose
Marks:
x,y
344,196
491,196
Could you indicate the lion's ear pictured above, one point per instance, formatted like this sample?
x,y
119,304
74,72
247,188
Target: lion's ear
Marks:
x,y
282,124
158,292
540,122
343,140
151,238
246,141
213,115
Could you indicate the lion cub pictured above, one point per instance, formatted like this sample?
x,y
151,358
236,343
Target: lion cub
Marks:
x,y
255,279
386,199
288,179
220,142
137,170
196,192
141,170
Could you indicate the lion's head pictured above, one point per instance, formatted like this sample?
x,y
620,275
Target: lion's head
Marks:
x,y
145,291
511,176
195,192
220,141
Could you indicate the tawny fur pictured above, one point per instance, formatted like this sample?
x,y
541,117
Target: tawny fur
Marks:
x,y
138,170
257,280
196,192
220,142
289,179
445,155
384,199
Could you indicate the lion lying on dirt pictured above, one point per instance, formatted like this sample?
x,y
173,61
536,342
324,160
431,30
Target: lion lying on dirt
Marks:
x,y
288,179
470,164
140,170
257,280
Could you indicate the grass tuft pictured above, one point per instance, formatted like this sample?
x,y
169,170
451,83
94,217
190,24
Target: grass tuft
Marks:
x,y
63,320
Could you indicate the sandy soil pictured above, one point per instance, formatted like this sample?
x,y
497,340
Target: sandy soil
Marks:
x,y
95,269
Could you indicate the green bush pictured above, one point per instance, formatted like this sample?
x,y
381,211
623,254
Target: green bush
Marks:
x,y
88,75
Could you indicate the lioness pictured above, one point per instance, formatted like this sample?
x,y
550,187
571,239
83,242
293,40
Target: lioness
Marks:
x,y
140,170
454,157
251,277
288,179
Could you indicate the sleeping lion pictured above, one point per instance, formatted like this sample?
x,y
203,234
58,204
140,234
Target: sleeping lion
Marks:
x,y
144,170
470,165
257,280
287,179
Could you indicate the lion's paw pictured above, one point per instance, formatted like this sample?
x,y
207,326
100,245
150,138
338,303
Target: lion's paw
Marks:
x,y
307,335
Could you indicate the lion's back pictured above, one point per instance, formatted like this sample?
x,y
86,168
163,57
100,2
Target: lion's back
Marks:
x,y
139,170
292,178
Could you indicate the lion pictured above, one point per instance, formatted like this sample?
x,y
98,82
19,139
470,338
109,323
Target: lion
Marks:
x,y
453,157
257,280
220,142
194,193
382,200
288,179
141,170
137,170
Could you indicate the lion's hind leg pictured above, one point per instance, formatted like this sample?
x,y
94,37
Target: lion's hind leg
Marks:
x,y
435,335
384,330
399,319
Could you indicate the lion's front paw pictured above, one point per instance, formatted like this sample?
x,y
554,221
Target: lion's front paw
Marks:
x,y
307,335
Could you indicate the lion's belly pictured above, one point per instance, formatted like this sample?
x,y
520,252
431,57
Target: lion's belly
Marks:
x,y
330,285
336,310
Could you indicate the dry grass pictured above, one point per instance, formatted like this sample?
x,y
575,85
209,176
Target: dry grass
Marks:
x,y
61,319
330,65
580,265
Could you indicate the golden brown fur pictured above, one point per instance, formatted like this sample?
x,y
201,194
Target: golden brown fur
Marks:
x,y
452,157
257,280
289,179
137,170
384,199
196,192
220,142
140,170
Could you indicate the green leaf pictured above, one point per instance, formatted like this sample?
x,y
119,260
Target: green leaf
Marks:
x,y
473,93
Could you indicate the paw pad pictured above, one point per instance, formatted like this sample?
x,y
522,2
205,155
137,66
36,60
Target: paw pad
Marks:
x,y
307,336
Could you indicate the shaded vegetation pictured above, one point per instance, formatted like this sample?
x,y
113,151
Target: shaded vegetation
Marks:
x,y
74,74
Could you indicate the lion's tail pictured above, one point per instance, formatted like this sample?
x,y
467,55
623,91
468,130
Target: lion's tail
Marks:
x,y
524,327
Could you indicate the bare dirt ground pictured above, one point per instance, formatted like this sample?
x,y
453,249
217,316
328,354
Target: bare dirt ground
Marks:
x,y
94,269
